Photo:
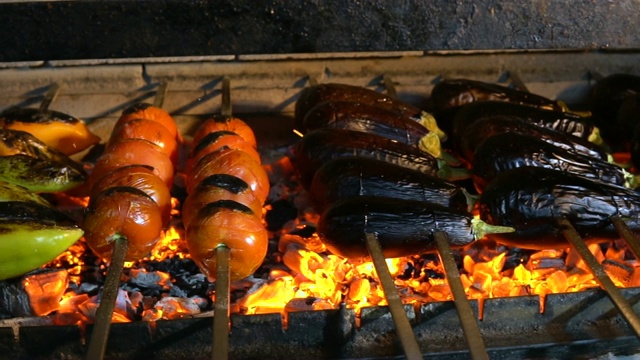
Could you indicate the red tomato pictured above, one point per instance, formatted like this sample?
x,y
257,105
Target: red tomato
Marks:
x,y
232,162
219,187
217,140
148,130
134,152
122,212
226,224
150,112
218,123
142,178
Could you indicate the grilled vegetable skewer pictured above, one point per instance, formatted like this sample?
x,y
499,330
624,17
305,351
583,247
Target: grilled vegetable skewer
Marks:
x,y
315,95
322,145
348,177
507,151
371,119
403,227
226,187
477,132
531,199
124,219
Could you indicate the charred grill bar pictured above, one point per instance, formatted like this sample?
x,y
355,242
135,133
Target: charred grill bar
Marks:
x,y
191,78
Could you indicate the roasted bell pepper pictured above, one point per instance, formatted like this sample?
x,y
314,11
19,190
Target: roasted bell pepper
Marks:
x,y
62,132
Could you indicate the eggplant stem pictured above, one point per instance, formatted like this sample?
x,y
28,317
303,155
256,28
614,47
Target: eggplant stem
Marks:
x,y
630,180
427,120
595,137
480,228
446,172
472,200
430,144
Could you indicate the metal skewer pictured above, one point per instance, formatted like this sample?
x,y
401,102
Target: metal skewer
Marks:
x,y
225,109
104,312
220,344
220,347
49,97
627,235
465,313
161,94
600,275
390,86
400,319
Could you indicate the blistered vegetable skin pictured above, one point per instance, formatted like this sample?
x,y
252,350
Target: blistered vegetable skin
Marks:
x,y
403,227
60,131
322,145
531,199
355,177
314,95
452,93
365,118
507,151
569,123
477,132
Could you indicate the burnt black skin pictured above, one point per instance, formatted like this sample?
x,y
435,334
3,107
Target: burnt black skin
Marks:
x,y
364,117
531,199
356,177
507,151
321,145
477,132
314,95
403,227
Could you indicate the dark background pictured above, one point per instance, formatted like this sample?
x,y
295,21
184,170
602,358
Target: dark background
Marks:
x,y
64,30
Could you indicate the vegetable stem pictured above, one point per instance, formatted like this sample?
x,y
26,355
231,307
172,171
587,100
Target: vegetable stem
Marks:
x,y
446,172
480,228
427,120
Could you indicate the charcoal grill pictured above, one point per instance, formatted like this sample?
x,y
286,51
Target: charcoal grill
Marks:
x,y
108,55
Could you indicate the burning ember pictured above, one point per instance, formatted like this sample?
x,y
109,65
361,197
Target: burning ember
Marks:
x,y
299,275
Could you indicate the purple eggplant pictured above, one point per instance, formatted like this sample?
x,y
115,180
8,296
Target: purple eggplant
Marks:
x,y
531,199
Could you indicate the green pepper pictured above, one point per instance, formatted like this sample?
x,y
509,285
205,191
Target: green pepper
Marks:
x,y
27,245
39,175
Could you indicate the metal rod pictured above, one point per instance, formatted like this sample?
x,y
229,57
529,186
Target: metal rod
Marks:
x,y
161,94
313,80
465,313
49,97
225,108
601,276
390,86
104,313
517,81
627,235
398,314
220,347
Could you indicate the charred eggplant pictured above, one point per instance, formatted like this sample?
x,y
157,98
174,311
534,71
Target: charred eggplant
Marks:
x,y
572,124
531,200
371,119
451,93
321,145
354,177
484,128
312,96
403,227
507,151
